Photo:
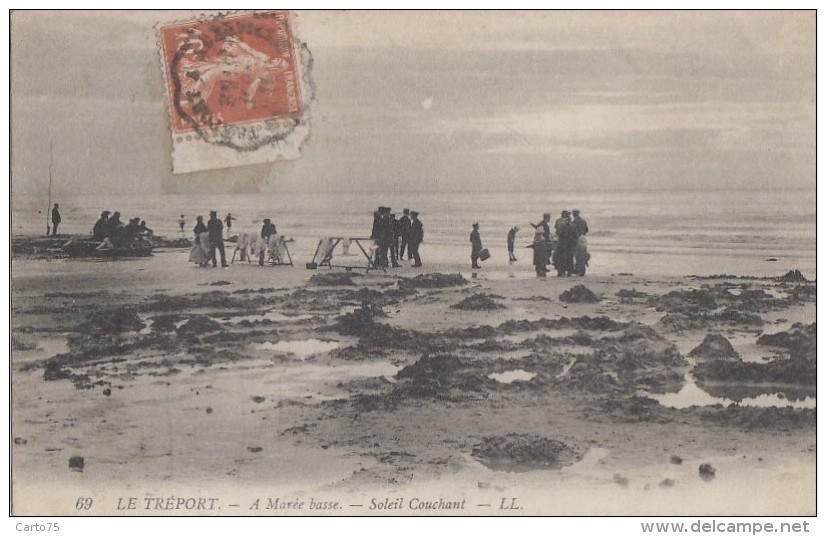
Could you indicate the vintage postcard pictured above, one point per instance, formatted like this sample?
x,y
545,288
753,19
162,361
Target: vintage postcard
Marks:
x,y
418,263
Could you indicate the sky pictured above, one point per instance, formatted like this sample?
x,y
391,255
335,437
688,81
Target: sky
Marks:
x,y
443,101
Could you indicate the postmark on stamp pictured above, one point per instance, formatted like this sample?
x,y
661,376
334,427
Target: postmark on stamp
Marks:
x,y
237,87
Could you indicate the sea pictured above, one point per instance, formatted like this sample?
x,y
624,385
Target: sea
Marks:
x,y
653,232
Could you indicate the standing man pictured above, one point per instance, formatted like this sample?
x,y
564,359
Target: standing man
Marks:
x,y
216,239
545,225
404,229
581,255
476,246
380,259
388,236
566,236
55,219
267,230
394,242
416,238
181,224
580,225
511,241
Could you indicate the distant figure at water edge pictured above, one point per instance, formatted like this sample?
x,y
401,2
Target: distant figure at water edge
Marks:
x,y
511,242
55,219
228,220
216,239
404,230
416,238
476,246
182,223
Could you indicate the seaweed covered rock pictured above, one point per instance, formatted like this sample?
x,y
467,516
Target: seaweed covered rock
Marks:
x,y
436,376
112,321
685,301
579,294
434,280
478,302
630,294
780,371
800,340
333,279
792,276
714,346
360,322
525,452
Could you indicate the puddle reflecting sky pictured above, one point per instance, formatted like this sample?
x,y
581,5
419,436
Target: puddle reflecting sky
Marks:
x,y
303,348
512,376
692,395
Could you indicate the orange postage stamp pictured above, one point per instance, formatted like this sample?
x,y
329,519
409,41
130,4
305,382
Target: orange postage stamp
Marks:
x,y
236,90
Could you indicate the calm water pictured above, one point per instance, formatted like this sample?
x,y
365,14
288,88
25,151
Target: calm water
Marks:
x,y
659,232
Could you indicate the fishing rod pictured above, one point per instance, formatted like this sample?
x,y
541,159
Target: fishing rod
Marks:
x,y
49,205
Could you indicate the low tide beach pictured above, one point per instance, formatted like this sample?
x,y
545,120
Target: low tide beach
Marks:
x,y
411,391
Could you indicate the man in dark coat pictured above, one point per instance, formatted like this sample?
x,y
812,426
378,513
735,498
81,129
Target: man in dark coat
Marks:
x,y
416,238
540,253
101,228
387,234
580,225
394,241
404,232
476,246
216,239
566,236
580,255
267,230
545,227
55,219
376,234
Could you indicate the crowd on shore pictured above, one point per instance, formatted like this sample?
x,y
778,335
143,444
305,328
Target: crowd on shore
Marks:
x,y
113,233
563,246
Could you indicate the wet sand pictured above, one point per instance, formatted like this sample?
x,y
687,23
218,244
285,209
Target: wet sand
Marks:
x,y
429,392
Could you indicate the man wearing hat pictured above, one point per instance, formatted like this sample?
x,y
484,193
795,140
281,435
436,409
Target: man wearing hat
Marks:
x,y
416,238
216,239
511,241
566,242
580,225
267,230
101,226
476,246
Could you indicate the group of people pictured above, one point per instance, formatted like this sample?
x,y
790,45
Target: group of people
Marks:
x,y
565,248
228,220
393,236
113,233
209,237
